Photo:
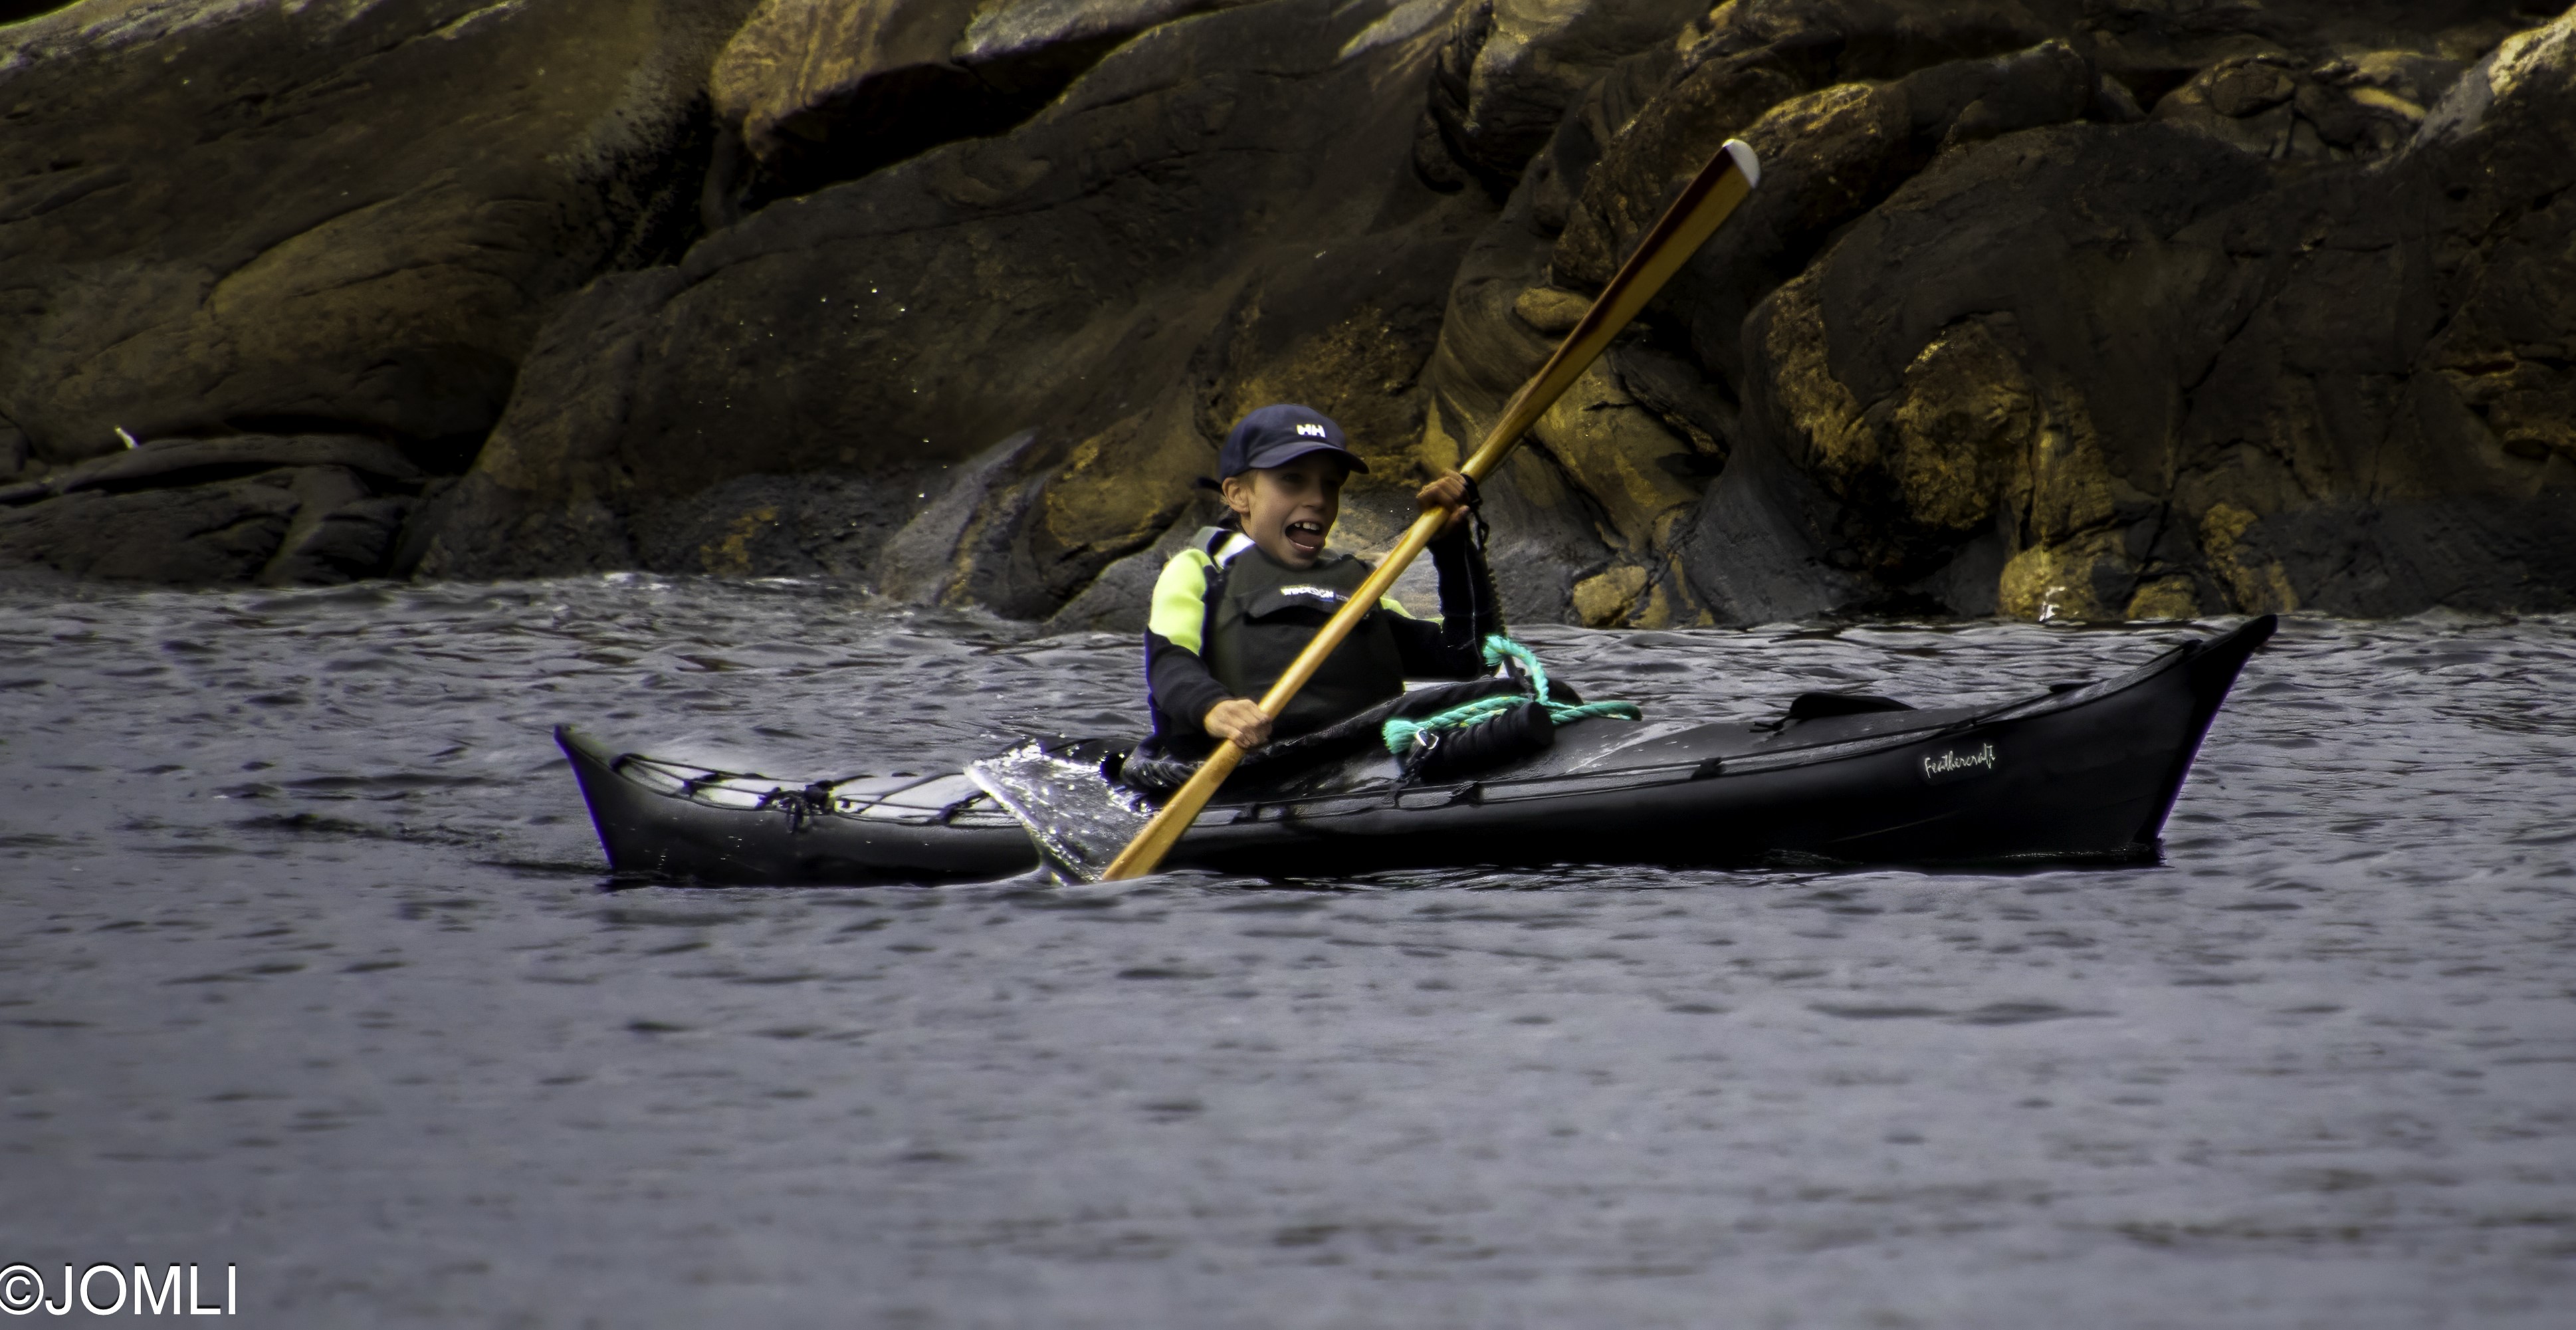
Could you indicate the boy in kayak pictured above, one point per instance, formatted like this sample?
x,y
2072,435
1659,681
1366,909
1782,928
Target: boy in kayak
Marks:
x,y
1234,609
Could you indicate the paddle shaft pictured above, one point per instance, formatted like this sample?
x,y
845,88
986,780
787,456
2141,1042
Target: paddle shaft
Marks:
x,y
1684,227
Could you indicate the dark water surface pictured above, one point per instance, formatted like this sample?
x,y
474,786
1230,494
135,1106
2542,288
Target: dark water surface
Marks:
x,y
305,966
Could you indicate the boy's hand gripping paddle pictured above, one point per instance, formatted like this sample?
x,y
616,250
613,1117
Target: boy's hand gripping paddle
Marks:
x,y
1704,203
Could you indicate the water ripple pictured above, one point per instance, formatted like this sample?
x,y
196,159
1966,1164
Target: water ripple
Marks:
x,y
305,964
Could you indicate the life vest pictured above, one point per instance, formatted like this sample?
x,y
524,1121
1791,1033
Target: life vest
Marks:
x,y
1262,613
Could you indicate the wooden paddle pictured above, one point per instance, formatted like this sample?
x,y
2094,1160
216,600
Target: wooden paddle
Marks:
x,y
1704,203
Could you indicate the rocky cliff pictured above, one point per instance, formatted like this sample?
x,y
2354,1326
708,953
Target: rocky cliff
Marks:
x,y
2081,308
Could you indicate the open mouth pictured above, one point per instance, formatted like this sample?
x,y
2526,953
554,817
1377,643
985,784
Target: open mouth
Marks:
x,y
1306,537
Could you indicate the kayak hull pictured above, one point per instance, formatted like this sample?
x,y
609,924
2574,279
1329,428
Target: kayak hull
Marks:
x,y
657,832
2079,773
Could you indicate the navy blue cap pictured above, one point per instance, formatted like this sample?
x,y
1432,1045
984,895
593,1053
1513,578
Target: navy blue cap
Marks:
x,y
1280,434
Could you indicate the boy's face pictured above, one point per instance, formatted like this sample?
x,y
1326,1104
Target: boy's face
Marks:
x,y
1288,510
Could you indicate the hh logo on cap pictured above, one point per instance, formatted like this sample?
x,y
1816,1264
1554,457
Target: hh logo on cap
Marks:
x,y
1310,431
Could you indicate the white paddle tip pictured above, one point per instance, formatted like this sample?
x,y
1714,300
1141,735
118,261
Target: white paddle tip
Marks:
x,y
1745,161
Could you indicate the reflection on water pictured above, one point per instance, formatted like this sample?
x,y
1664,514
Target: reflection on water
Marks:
x,y
304,966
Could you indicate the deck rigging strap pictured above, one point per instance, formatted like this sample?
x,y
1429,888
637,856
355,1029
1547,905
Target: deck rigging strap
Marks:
x,y
1400,734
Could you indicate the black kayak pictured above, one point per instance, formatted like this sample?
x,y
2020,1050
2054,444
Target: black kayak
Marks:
x,y
2078,772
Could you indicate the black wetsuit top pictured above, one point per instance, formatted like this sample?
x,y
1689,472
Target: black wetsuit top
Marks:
x,y
1227,620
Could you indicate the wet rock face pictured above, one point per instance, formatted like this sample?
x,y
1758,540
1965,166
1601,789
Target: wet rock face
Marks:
x,y
2164,369
819,91
2045,307
1032,341
281,511
223,213
2051,315
1508,69
259,218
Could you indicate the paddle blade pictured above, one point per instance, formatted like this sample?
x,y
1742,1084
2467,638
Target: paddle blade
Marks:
x,y
1078,818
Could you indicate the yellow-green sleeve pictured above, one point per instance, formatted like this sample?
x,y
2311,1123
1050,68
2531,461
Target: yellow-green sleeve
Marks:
x,y
1178,611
